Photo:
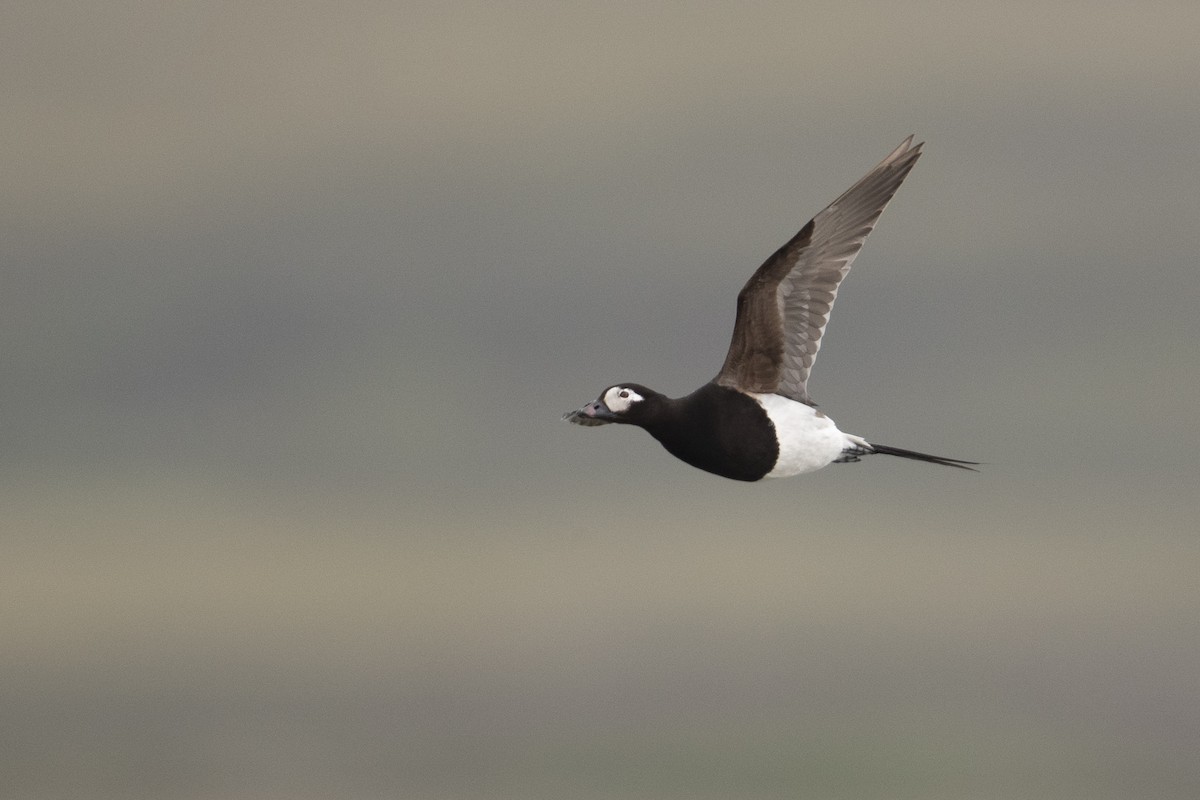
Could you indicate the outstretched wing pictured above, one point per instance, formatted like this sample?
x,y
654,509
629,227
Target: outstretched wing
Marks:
x,y
783,309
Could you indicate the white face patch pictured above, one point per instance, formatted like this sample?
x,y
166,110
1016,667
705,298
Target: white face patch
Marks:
x,y
620,398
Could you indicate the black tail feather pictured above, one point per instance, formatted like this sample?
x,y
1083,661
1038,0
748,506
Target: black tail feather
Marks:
x,y
947,462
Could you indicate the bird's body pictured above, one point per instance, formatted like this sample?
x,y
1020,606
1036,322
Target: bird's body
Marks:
x,y
755,419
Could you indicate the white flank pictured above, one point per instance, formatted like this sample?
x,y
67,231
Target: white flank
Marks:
x,y
808,440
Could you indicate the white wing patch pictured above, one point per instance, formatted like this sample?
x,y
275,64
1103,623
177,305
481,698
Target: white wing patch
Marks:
x,y
620,398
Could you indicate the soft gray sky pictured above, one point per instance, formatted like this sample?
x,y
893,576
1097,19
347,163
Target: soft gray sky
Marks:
x,y
294,297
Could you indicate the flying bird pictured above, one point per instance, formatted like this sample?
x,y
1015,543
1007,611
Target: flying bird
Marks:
x,y
755,419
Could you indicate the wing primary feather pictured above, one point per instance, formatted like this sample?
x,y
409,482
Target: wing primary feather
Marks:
x,y
784,308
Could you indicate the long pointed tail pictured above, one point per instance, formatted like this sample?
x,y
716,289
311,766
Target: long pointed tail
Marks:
x,y
947,462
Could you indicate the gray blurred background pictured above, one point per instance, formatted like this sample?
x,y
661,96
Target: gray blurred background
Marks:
x,y
294,295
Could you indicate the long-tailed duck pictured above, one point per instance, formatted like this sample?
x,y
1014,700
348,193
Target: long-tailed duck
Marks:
x,y
755,419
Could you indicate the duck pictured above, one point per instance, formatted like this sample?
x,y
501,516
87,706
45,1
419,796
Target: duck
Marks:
x,y
755,419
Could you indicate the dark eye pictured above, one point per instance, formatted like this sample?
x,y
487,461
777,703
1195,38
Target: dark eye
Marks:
x,y
624,393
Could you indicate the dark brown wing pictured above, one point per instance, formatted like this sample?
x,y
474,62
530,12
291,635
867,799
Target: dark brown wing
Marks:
x,y
783,309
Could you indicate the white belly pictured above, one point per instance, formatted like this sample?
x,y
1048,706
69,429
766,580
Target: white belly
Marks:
x,y
808,440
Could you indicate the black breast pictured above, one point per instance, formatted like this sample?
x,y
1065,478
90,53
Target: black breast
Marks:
x,y
719,430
